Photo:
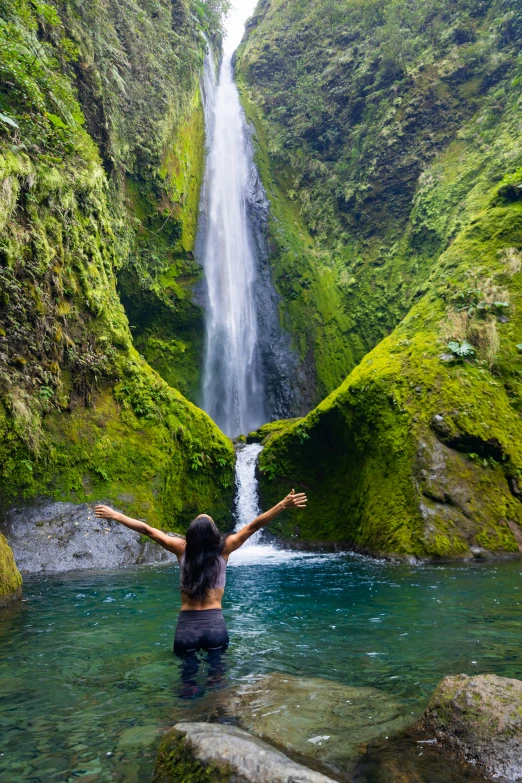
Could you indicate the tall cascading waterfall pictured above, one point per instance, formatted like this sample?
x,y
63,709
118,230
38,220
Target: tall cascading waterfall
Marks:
x,y
233,378
249,367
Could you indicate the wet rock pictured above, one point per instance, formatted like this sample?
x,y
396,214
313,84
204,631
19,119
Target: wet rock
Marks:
x,y
312,717
10,579
141,736
65,537
480,718
285,393
222,754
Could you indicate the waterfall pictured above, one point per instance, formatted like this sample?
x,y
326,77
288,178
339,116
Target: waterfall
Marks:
x,y
247,509
233,378
247,500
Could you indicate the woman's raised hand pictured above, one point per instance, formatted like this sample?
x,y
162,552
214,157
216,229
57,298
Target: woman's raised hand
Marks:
x,y
294,500
104,512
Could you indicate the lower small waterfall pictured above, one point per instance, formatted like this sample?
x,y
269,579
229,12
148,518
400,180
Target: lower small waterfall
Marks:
x,y
248,508
247,499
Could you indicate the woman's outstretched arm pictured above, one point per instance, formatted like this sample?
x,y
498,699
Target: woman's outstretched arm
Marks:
x,y
236,540
171,543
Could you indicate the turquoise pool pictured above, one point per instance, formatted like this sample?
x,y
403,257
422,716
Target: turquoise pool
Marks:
x,y
88,681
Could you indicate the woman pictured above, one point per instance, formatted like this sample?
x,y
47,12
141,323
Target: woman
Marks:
x,y
203,558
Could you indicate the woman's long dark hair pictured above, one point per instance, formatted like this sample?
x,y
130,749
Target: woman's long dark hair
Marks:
x,y
204,545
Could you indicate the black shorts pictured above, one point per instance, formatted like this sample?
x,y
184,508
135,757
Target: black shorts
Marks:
x,y
200,629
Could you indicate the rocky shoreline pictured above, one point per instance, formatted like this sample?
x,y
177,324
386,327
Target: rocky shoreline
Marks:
x,y
51,537
279,729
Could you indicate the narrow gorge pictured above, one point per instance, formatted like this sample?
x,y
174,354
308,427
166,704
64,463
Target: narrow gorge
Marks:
x,y
245,248
344,233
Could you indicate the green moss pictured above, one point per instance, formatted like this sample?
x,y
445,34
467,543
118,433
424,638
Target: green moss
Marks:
x,y
380,129
10,579
176,764
183,168
82,415
156,286
414,452
264,433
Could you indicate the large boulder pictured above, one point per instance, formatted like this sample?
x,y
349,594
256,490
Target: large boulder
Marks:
x,y
10,579
313,717
215,753
481,718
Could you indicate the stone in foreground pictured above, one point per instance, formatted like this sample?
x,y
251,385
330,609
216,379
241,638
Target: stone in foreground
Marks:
x,y
481,718
211,752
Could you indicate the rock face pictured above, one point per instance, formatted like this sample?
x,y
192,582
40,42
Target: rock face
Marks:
x,y
286,394
10,579
195,752
82,413
318,718
481,718
67,537
399,266
416,453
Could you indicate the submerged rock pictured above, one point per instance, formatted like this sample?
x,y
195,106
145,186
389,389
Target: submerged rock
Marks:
x,y
66,537
322,719
481,718
194,752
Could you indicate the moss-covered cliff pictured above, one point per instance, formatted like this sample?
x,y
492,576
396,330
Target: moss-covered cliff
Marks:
x,y
82,415
420,449
388,139
137,75
360,109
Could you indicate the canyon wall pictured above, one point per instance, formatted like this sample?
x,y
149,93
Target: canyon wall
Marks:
x,y
101,153
388,140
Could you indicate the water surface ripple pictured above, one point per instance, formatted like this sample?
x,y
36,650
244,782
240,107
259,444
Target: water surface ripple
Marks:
x,y
88,681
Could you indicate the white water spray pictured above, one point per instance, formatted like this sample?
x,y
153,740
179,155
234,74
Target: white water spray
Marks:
x,y
247,509
233,387
247,500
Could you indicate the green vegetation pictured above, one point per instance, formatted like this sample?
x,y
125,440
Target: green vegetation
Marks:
x,y
10,579
420,451
388,140
175,761
137,76
380,128
82,415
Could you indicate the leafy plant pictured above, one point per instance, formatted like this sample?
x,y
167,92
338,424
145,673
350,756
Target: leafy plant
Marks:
x,y
302,435
46,392
269,470
8,120
461,350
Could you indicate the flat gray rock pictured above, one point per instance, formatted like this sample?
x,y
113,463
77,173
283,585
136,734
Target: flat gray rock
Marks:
x,y
322,719
221,754
481,718
48,537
